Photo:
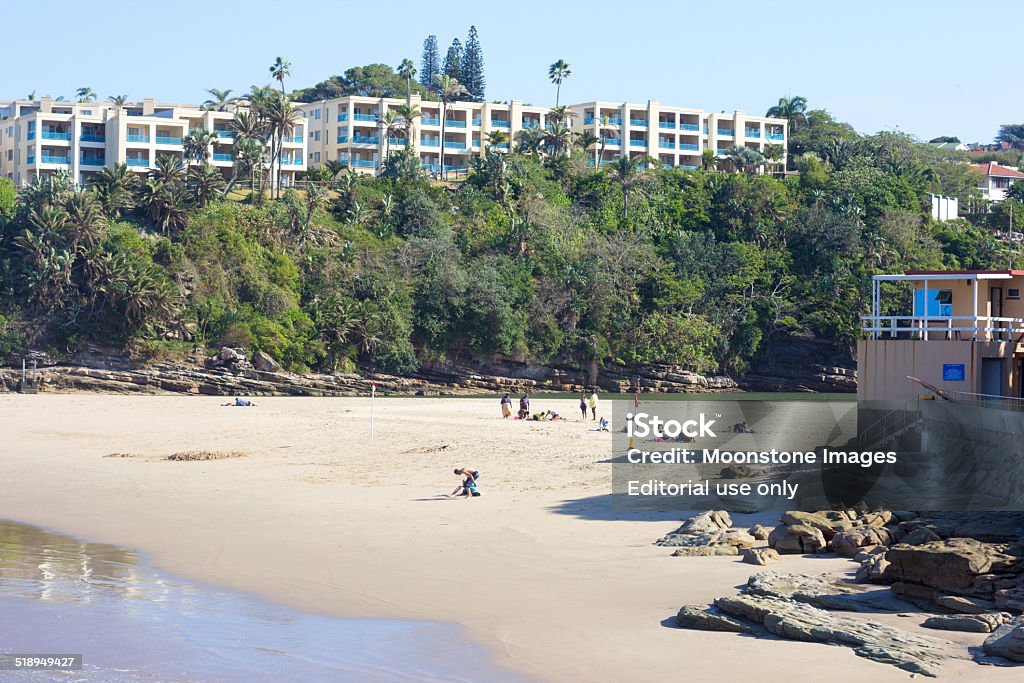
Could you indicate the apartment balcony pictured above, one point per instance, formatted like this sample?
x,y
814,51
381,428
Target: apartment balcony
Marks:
x,y
430,121
342,139
225,134
365,140
291,162
690,126
751,133
54,135
137,162
530,124
478,122
397,141
667,124
31,135
724,131
689,168
689,147
501,145
587,121
294,138
365,117
666,145
93,137
722,151
93,161
224,157
343,117
637,143
454,123
31,159
614,121
54,159
775,136
500,123
613,141
452,144
430,142
167,140
642,123
363,163
137,138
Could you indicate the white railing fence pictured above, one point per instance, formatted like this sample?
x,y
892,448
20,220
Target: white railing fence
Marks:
x,y
984,328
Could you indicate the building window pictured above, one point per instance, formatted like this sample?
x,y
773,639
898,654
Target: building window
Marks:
x,y
317,114
945,296
317,159
1013,293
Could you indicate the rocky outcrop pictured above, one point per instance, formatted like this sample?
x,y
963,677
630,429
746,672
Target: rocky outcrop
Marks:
x,y
986,622
1007,641
796,539
849,543
704,618
708,533
761,556
264,362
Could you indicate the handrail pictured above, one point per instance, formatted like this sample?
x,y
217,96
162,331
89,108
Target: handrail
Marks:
x,y
901,422
878,325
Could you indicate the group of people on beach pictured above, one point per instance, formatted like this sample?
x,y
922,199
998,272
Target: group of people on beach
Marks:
x,y
524,409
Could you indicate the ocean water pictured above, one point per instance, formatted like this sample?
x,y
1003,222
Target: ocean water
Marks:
x,y
133,623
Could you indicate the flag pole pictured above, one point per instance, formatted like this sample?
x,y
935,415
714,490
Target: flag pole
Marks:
x,y
373,396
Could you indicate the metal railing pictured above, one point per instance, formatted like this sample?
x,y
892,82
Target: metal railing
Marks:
x,y
689,126
664,144
928,326
775,136
723,131
54,159
638,122
137,162
165,140
968,398
633,142
137,138
454,123
223,157
666,124
93,137
93,161
688,146
891,423
55,135
751,133
499,123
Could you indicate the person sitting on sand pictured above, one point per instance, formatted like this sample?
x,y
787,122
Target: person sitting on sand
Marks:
x,y
603,424
524,407
240,402
742,428
506,407
468,485
552,415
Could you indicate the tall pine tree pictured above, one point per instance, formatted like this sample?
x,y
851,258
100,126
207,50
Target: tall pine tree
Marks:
x,y
453,61
430,64
473,66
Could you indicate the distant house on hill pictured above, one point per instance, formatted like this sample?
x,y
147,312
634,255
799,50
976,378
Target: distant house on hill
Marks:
x,y
951,146
996,180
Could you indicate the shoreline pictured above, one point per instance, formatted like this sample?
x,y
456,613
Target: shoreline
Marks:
x,y
318,518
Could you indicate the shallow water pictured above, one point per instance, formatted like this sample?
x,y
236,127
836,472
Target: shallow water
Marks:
x,y
135,624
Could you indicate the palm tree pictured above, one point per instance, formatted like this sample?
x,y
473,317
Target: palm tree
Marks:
x,y
708,160
448,89
206,183
220,99
793,109
558,72
629,173
408,113
197,144
118,100
774,154
560,114
558,138
586,140
282,118
168,171
279,69
31,96
744,159
85,95
84,218
166,205
530,141
407,70
496,137
388,125
246,126
249,156
114,188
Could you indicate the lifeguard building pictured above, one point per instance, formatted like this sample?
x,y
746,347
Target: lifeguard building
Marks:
x,y
959,330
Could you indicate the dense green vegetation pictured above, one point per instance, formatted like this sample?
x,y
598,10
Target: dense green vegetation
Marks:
x,y
534,256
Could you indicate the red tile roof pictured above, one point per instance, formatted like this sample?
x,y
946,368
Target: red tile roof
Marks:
x,y
991,168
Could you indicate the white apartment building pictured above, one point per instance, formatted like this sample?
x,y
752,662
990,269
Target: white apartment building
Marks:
x,y
38,137
675,136
348,129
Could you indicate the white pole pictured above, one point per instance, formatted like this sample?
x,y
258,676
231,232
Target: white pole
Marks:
x,y
373,396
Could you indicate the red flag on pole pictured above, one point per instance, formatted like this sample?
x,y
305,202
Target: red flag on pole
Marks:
x,y
636,400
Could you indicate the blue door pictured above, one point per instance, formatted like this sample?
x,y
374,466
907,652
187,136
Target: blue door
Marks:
x,y
992,376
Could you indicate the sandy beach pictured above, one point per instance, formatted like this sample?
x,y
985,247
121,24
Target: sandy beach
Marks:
x,y
539,569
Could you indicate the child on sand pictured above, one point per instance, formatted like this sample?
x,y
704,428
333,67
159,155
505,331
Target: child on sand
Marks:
x,y
468,486
583,406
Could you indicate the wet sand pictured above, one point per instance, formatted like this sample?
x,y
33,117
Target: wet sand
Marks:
x,y
540,569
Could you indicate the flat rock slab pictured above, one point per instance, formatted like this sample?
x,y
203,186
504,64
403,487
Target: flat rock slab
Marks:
x,y
794,620
824,591
705,618
1007,641
970,623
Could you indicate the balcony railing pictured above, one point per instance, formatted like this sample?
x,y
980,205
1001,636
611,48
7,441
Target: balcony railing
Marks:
x,y
530,123
638,122
223,157
342,139
722,151
617,121
294,138
397,141
613,141
31,135
454,123
724,131
131,137
666,145
167,140
430,142
365,117
343,117
500,123
501,145
751,133
478,122
775,136
689,126
137,162
93,161
428,121
666,124
55,135
588,120
365,140
53,159
689,168
93,137
225,134
291,162
31,159
689,146
363,163
637,143
941,327
452,144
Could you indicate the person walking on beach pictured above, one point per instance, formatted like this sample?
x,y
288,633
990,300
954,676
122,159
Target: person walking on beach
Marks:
x,y
583,405
506,407
593,406
468,485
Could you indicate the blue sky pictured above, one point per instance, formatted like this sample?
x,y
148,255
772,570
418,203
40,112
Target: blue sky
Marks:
x,y
926,68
